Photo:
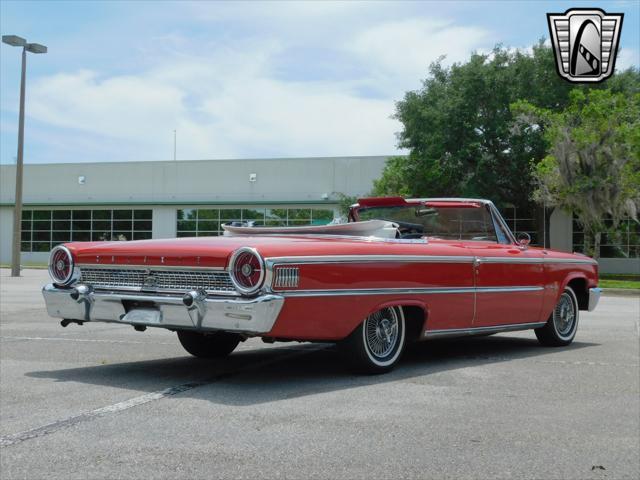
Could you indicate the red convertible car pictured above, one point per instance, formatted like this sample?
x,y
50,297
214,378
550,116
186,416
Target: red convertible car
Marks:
x,y
398,271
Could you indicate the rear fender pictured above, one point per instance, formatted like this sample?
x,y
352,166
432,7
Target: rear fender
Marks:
x,y
401,302
415,317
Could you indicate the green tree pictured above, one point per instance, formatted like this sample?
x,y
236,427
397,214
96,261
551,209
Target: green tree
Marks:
x,y
344,203
593,166
460,131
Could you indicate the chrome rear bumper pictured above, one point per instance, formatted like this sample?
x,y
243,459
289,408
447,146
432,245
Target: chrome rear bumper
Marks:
x,y
81,302
594,298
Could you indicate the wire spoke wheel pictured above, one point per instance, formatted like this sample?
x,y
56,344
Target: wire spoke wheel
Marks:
x,y
564,315
377,343
381,332
561,327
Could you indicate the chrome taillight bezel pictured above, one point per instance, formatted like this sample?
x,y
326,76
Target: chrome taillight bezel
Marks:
x,y
232,262
70,276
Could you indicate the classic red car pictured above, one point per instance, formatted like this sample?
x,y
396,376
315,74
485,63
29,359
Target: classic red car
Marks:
x,y
399,271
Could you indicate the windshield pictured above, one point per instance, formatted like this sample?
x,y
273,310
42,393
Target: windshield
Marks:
x,y
450,223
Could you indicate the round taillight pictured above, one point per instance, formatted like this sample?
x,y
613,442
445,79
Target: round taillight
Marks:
x,y
247,270
61,265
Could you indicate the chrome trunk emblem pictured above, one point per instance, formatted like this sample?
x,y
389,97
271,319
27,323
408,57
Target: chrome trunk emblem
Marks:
x,y
150,281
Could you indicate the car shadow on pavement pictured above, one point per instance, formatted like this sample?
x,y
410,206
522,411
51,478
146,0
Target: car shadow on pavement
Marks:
x,y
261,375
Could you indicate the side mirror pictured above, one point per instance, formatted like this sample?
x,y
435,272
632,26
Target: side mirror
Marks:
x,y
524,239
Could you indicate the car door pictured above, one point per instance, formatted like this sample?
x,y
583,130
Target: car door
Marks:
x,y
449,286
509,281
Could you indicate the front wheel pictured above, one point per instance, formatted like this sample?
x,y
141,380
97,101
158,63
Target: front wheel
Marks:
x,y
562,325
377,344
208,345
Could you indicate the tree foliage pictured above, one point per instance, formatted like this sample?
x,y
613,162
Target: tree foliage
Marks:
x,y
460,132
593,166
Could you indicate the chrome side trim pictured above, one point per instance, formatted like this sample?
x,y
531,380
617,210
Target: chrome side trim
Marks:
x,y
461,332
528,260
371,258
589,261
594,298
326,259
406,291
544,260
508,289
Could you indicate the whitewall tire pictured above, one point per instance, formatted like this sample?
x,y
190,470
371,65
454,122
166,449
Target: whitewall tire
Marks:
x,y
377,344
562,325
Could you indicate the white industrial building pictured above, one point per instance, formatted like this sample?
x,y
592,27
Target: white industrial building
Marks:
x,y
138,200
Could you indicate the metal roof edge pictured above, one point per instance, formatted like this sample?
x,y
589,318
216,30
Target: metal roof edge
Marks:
x,y
212,203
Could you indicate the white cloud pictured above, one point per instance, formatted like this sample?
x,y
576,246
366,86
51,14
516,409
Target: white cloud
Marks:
x,y
400,52
119,106
227,99
225,108
627,57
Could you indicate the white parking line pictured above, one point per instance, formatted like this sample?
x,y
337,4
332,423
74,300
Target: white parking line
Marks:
x,y
53,427
7,440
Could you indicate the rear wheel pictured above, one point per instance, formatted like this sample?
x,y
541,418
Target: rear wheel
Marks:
x,y
562,325
208,345
377,344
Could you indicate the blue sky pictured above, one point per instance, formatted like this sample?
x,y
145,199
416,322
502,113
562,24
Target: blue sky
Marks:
x,y
242,79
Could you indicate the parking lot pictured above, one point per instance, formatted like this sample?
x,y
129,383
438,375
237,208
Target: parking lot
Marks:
x,y
105,401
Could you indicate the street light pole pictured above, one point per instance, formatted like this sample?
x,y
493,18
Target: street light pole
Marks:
x,y
16,41
17,210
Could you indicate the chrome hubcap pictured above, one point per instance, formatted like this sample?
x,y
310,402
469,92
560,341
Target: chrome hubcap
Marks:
x,y
564,315
381,329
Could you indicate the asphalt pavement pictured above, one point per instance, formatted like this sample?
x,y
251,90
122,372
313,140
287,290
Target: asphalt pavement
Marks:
x,y
105,401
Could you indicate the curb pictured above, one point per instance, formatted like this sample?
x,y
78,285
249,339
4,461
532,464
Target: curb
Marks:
x,y
621,292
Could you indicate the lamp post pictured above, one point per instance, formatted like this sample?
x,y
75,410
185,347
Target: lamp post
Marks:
x,y
16,41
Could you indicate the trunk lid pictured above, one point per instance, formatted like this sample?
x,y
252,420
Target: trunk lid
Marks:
x,y
216,251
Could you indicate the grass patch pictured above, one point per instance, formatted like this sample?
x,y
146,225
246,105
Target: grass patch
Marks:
x,y
621,276
618,280
608,283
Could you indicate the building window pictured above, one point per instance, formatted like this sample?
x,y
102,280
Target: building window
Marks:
x,y
204,222
44,229
522,221
622,242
